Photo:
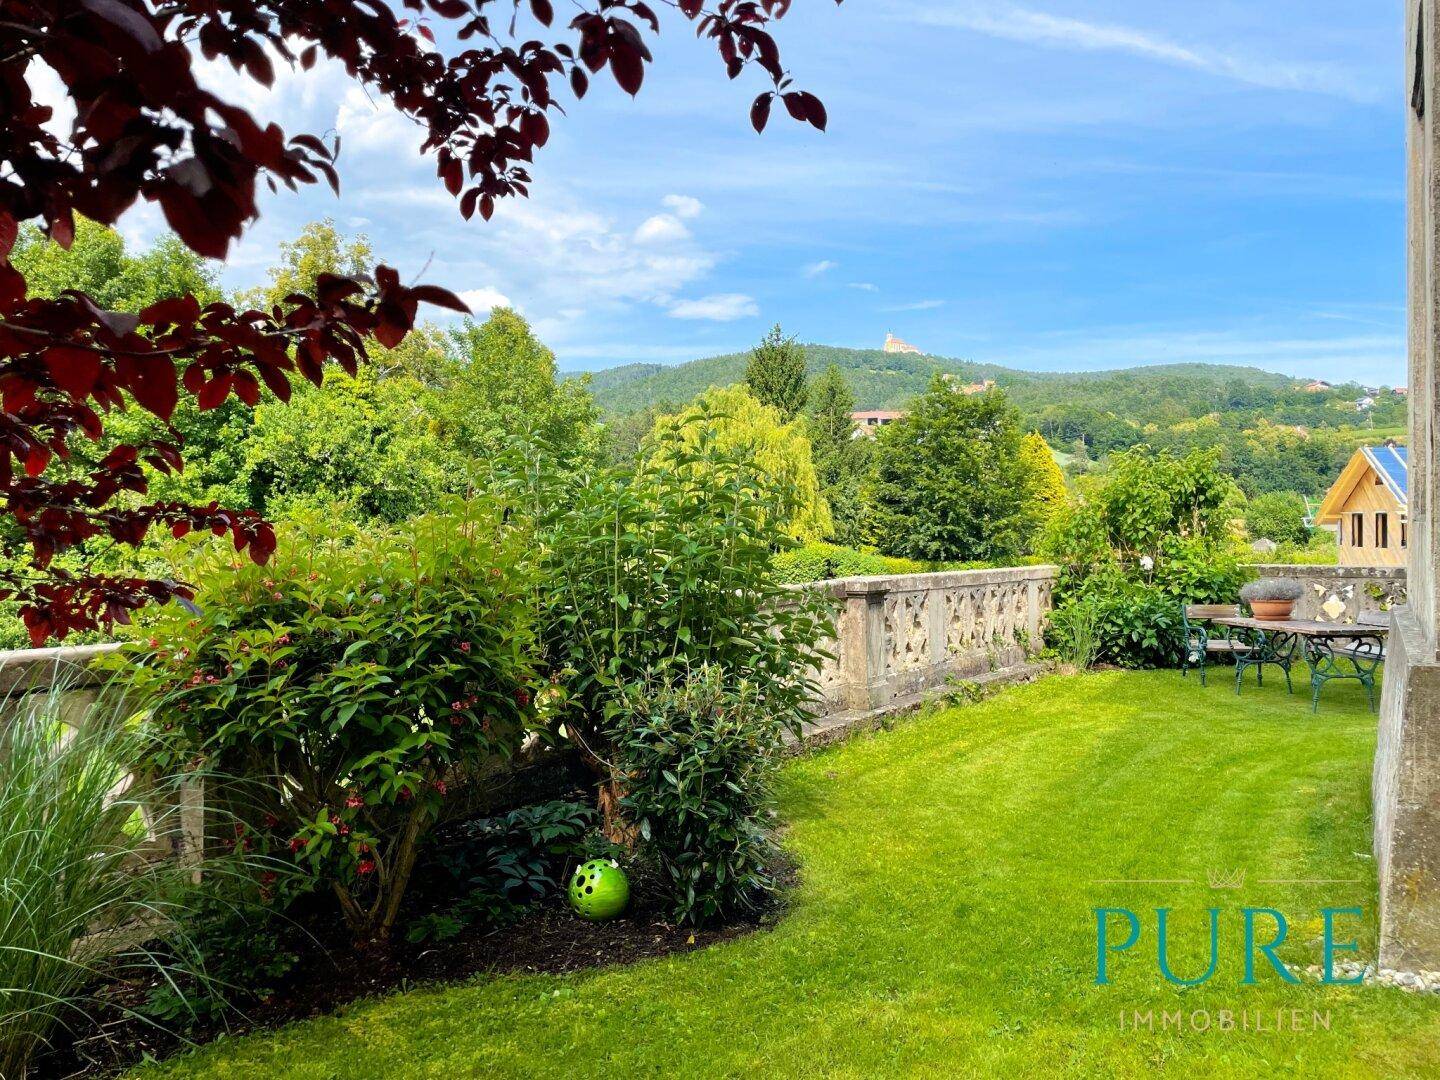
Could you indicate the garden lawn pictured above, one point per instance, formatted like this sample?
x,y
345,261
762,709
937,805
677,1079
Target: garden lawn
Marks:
x,y
945,925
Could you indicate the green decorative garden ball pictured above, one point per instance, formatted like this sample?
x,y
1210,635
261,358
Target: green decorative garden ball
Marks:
x,y
599,889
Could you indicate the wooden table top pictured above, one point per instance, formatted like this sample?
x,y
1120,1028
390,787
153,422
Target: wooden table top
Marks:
x,y
1303,627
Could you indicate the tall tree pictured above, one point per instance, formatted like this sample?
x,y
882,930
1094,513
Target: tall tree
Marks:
x,y
841,459
1046,480
733,419
501,380
776,373
145,126
950,483
320,248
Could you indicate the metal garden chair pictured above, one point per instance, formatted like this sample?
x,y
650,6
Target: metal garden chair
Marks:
x,y
1201,641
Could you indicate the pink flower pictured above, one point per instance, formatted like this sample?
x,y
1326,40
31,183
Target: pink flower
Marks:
x,y
440,786
465,646
354,802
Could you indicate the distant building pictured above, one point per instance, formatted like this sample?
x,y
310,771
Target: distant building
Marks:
x,y
1366,402
1369,507
867,423
1319,386
1401,391
894,345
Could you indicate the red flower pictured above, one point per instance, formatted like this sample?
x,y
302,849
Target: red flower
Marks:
x,y
522,698
367,866
465,646
154,643
299,842
283,639
440,786
268,877
406,794
354,801
271,821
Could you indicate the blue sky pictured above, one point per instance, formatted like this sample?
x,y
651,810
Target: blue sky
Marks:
x,y
1048,184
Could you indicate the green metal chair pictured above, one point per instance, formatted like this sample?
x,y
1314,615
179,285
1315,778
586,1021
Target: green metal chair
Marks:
x,y
1263,647
1201,641
1357,658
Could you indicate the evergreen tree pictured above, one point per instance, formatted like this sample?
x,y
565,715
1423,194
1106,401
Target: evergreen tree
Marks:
x,y
776,373
840,458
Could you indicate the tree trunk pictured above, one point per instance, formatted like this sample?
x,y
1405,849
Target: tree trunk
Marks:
x,y
608,793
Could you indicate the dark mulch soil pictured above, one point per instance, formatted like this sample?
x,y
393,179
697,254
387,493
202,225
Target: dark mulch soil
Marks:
x,y
547,938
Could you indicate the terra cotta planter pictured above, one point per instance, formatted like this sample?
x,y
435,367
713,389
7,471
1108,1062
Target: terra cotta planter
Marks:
x,y
1272,609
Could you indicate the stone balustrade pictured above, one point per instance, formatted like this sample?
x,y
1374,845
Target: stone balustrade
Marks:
x,y
897,637
1340,594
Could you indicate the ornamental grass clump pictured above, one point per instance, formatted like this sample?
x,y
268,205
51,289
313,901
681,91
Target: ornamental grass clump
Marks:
x,y
81,894
348,686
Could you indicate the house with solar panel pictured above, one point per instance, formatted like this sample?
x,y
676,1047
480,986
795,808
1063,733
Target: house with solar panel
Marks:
x,y
1369,507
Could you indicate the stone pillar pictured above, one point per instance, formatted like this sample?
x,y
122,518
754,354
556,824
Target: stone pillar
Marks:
x,y
1406,782
861,640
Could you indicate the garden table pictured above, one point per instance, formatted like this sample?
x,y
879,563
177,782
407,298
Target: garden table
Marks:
x,y
1326,647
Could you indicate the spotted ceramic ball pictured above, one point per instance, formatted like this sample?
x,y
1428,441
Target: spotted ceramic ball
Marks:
x,y
599,889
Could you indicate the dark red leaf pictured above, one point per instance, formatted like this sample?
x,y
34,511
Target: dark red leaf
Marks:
x,y
760,111
73,370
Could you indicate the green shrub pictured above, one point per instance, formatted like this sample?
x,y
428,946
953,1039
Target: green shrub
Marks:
x,y
1277,516
651,571
699,757
820,562
1152,537
343,686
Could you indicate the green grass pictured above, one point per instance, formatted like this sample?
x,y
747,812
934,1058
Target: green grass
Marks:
x,y
944,926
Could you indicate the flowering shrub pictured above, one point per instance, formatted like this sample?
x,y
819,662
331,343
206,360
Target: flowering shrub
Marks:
x,y
342,688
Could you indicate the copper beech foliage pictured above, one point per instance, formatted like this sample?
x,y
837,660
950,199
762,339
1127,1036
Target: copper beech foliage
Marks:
x,y
146,127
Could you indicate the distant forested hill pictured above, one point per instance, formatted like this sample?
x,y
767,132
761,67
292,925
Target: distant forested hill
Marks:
x,y
1274,434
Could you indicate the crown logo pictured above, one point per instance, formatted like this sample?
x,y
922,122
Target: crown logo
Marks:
x,y
1233,879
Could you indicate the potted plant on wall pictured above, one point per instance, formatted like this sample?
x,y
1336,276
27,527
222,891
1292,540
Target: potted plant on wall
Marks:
x,y
1271,598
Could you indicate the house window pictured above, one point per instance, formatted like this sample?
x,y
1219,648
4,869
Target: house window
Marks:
x,y
1357,530
1382,530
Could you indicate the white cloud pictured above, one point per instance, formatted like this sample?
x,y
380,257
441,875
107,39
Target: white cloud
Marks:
x,y
661,229
864,286
480,301
1058,31
918,305
719,307
373,125
684,206
815,269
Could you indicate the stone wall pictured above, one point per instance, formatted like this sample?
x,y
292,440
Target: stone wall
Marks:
x,y
897,637
28,676
1339,594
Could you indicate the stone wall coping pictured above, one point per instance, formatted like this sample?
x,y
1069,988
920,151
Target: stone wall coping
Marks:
x,y
1328,570
945,579
31,669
